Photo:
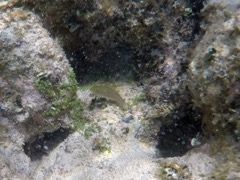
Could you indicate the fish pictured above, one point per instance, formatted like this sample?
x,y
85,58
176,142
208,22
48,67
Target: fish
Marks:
x,y
108,93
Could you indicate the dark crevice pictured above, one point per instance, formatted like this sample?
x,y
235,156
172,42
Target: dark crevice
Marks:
x,y
196,5
110,66
38,146
175,139
109,48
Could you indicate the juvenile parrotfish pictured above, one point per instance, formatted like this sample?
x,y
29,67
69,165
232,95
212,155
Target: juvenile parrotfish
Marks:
x,y
108,93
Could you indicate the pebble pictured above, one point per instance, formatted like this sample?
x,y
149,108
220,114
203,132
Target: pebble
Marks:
x,y
127,118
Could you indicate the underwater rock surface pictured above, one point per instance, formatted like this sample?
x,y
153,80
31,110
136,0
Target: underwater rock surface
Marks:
x,y
175,64
214,68
27,53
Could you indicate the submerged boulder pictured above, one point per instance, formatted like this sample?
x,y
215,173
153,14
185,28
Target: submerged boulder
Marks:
x,y
37,87
214,68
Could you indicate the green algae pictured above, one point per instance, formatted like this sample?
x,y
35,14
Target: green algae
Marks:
x,y
108,93
63,99
102,144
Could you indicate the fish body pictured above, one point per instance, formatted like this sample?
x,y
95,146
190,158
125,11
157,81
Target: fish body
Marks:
x,y
108,93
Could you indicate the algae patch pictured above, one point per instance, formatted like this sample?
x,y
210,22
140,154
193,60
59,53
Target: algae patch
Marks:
x,y
62,97
108,93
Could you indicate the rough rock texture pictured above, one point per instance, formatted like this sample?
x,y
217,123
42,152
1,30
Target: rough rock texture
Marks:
x,y
142,41
176,54
120,39
214,83
26,52
214,67
123,162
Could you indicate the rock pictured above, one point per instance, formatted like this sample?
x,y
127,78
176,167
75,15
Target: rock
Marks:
x,y
26,51
127,118
183,53
214,68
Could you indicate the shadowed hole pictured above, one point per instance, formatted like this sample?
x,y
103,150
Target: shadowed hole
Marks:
x,y
38,146
175,139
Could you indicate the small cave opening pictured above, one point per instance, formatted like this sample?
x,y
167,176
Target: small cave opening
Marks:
x,y
38,146
117,40
124,63
175,138
117,64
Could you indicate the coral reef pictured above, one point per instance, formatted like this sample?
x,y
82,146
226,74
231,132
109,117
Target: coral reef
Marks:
x,y
145,41
175,66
